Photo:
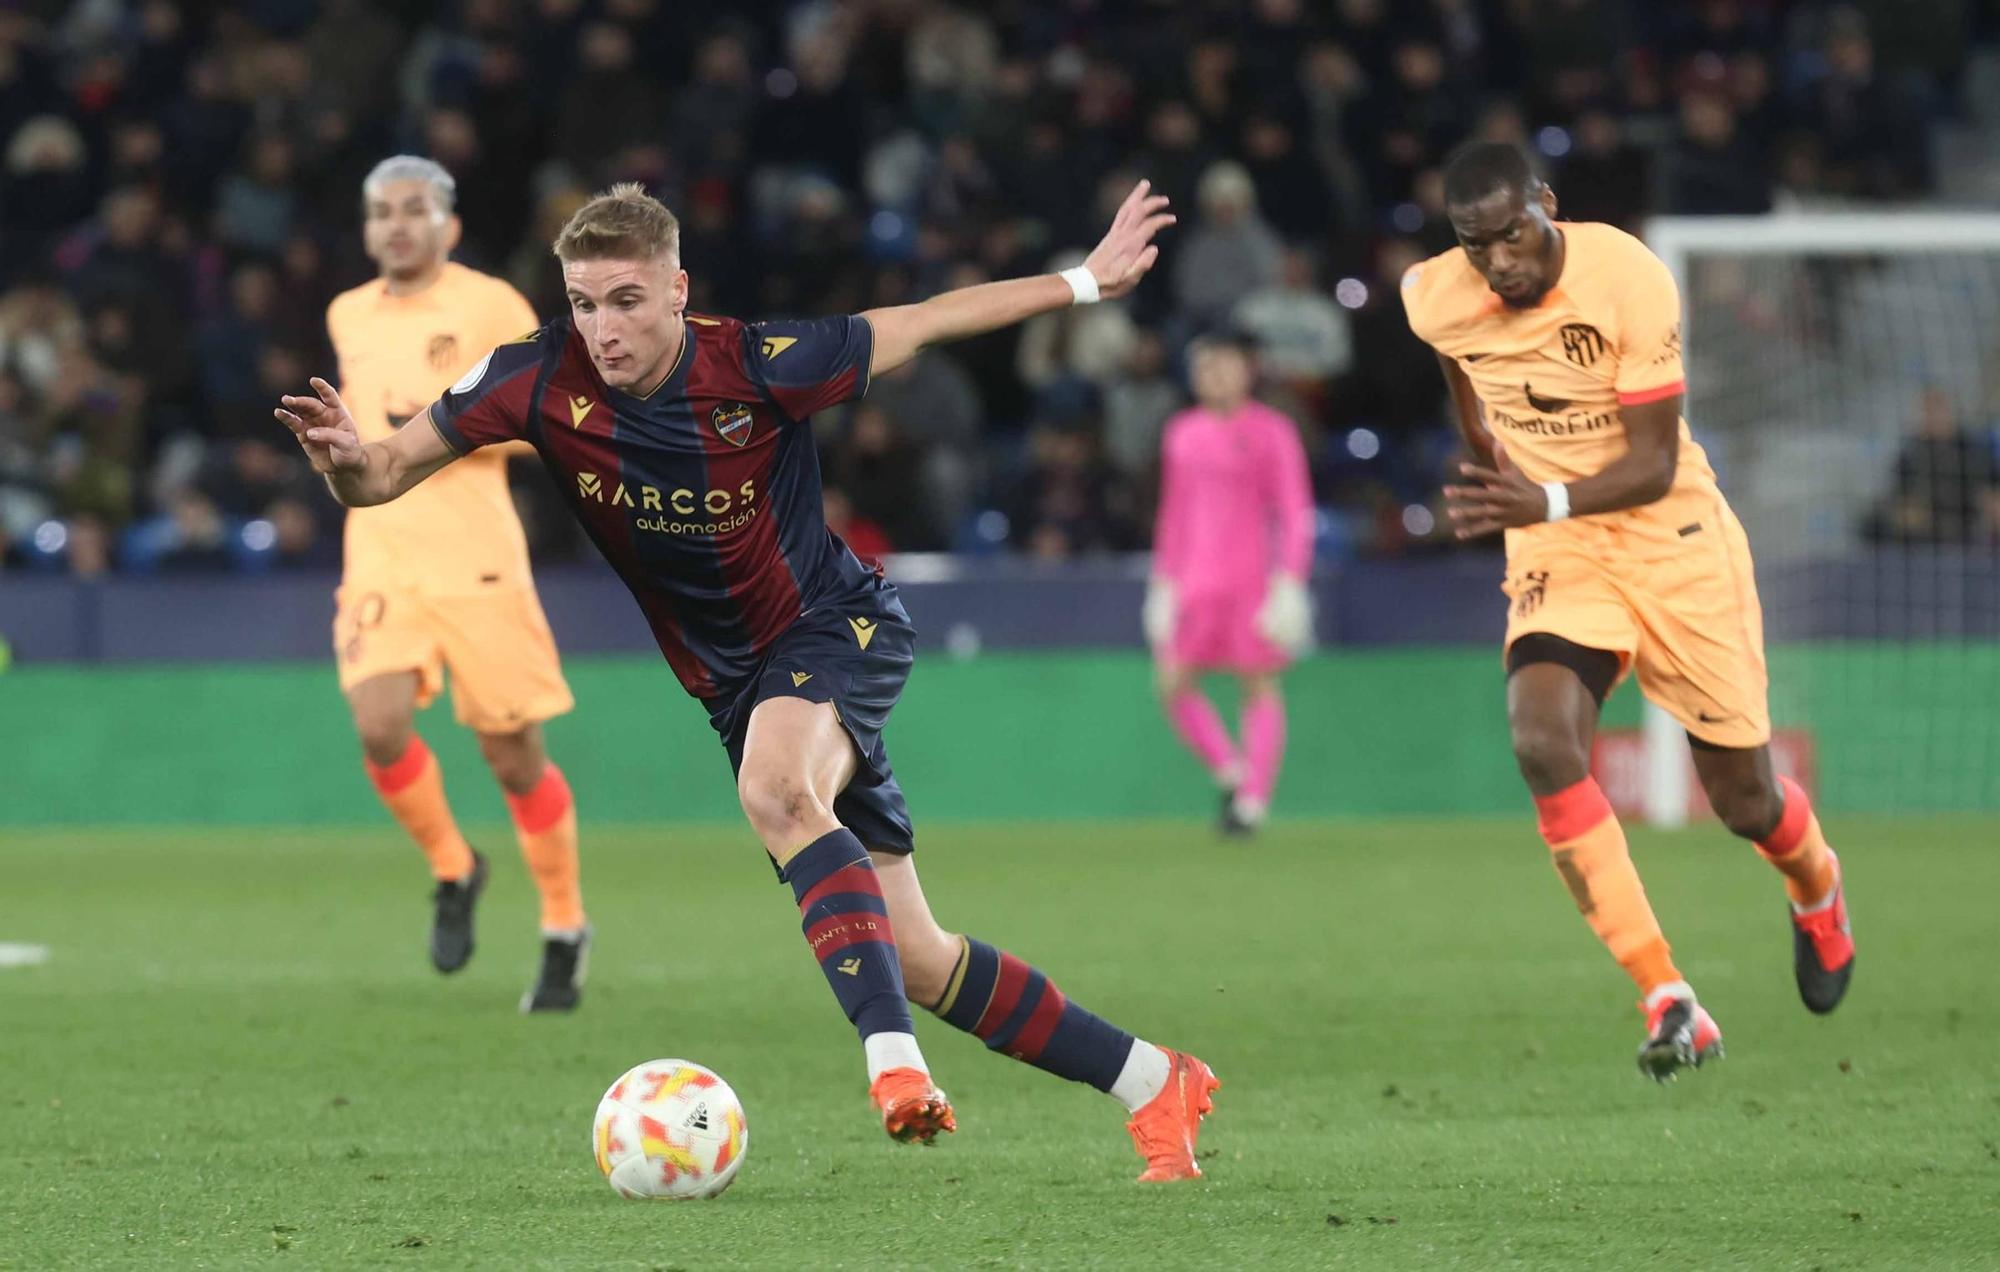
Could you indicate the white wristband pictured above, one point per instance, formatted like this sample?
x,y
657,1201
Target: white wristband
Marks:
x,y
1558,496
1082,285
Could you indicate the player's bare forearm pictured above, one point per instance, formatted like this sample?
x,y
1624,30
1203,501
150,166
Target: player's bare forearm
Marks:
x,y
386,472
1114,267
1500,497
903,331
366,484
360,475
1642,475
1465,411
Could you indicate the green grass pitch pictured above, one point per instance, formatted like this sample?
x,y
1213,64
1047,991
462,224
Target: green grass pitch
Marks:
x,y
237,1056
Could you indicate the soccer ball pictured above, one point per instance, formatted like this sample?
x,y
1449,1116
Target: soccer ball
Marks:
x,y
670,1129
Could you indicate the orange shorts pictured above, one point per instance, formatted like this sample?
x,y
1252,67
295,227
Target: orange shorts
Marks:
x,y
505,674
1679,607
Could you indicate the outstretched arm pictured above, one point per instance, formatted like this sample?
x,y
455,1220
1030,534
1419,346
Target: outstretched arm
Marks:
x,y
1117,264
360,475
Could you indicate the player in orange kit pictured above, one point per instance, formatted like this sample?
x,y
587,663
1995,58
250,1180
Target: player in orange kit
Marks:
x,y
1561,346
442,580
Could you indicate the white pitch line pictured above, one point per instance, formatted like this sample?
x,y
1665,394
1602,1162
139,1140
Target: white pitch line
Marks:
x,y
17,954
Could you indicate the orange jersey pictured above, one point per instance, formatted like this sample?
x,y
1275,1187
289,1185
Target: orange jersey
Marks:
x,y
1551,379
458,532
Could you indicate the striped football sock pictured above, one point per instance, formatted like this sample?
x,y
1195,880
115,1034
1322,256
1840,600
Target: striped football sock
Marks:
x,y
1014,1009
846,922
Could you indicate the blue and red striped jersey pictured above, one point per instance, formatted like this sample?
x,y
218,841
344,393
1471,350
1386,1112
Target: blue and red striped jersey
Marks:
x,y
704,495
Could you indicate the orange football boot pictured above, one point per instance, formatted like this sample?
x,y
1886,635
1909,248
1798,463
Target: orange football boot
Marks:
x,y
913,1109
1166,1129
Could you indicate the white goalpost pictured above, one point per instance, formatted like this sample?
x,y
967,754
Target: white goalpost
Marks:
x,y
1843,369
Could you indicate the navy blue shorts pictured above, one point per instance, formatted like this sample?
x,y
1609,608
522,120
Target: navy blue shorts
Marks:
x,y
855,654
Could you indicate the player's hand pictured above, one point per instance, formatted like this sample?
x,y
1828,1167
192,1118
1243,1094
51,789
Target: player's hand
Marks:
x,y
1127,250
1499,498
324,428
1286,618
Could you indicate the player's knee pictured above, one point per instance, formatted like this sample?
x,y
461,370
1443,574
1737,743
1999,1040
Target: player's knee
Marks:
x,y
385,735
516,759
1260,686
781,806
1749,805
1550,757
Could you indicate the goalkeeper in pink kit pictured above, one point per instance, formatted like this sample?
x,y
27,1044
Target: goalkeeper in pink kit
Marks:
x,y
1231,552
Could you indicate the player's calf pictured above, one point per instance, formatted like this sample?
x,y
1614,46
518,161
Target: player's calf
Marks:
x,y
1776,814
1822,938
846,922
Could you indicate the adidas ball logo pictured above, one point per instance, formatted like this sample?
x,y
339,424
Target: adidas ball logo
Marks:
x,y
697,1120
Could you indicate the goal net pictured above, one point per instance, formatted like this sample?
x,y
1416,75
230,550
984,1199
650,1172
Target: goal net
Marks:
x,y
1844,376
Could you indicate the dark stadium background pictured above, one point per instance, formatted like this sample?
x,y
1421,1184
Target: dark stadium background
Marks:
x,y
220,1043
180,200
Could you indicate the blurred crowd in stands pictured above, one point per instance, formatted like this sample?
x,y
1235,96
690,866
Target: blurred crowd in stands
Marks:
x,y
179,199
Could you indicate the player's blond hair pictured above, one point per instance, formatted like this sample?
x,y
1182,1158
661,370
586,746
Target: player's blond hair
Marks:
x,y
622,223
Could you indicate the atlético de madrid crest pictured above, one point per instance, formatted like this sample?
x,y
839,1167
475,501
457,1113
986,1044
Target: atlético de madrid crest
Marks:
x,y
732,421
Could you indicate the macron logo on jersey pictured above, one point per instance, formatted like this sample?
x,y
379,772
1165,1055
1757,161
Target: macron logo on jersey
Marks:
x,y
775,345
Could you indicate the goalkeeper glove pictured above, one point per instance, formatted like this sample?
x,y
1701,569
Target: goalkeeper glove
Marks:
x,y
1285,619
1157,617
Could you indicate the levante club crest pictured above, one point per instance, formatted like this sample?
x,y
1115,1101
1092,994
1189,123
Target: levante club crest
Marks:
x,y
732,420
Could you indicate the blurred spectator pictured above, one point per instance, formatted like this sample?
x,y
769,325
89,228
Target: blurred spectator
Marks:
x,y
231,348
1301,335
610,106
177,204
255,206
1947,483
713,113
1714,169
47,188
868,540
882,473
85,543
39,326
1137,402
1070,501
1602,178
1869,123
935,404
1291,187
1229,253
25,501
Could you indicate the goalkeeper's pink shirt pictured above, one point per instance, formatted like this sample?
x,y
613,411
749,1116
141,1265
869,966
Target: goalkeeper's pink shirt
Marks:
x,y
1235,501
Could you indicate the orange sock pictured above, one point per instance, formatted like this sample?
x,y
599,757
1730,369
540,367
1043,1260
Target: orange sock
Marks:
x,y
1588,846
413,790
1798,848
545,823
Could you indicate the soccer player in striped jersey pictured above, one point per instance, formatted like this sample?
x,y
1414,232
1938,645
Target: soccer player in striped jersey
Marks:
x,y
683,444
